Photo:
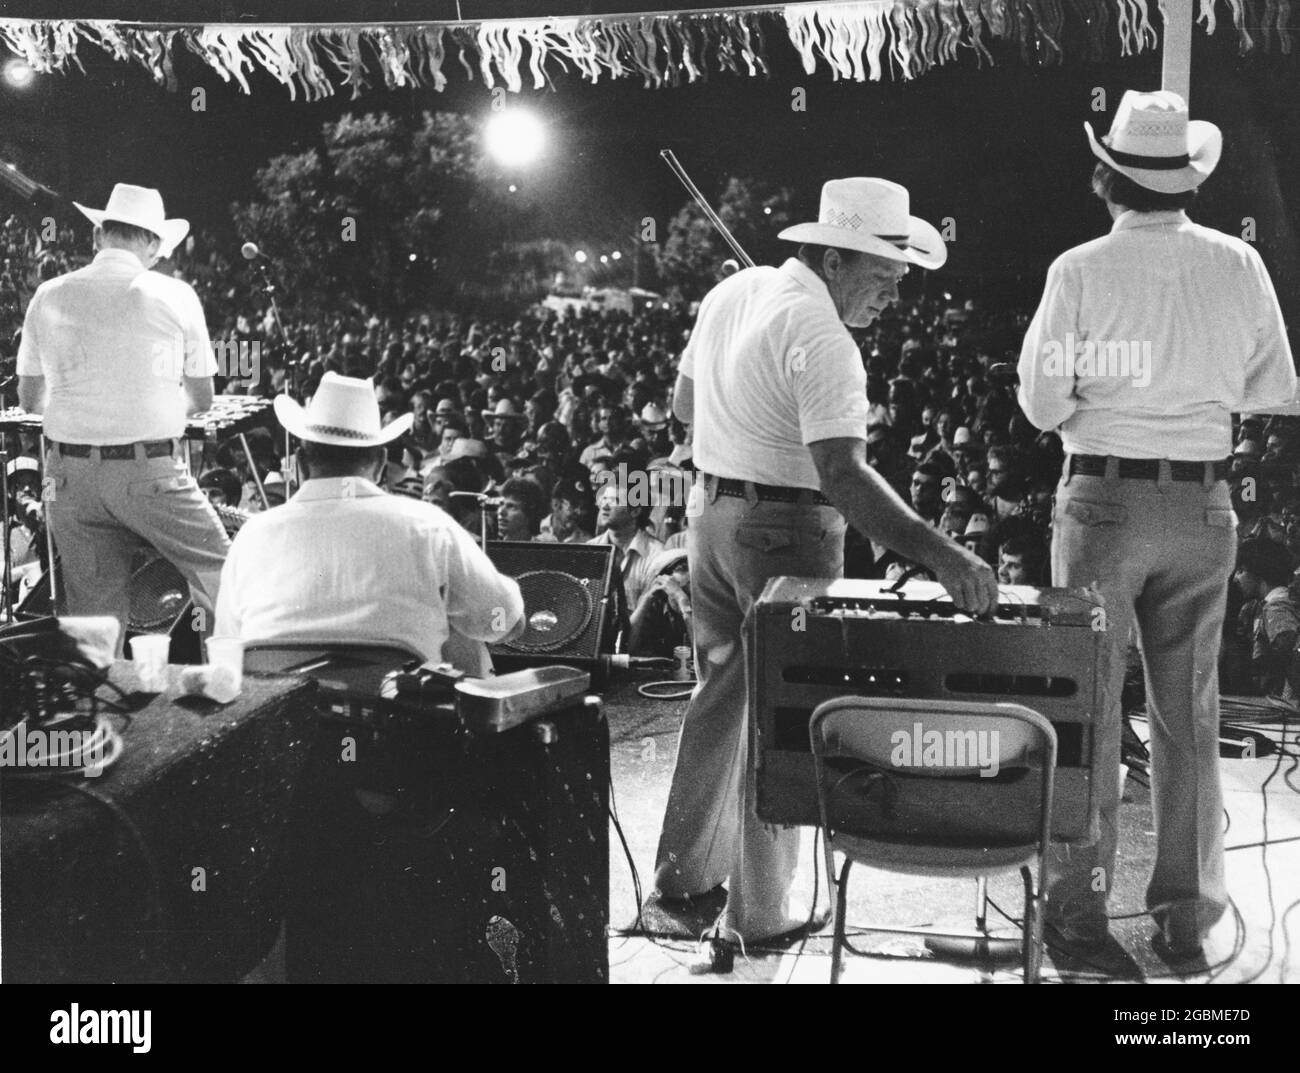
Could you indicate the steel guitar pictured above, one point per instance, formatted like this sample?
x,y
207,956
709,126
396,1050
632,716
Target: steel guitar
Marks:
x,y
815,639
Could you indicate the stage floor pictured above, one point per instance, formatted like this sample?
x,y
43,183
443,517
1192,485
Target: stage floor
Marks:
x,y
1250,945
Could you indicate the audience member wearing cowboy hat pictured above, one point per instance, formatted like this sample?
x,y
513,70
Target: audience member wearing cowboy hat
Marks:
x,y
507,427
309,572
1155,536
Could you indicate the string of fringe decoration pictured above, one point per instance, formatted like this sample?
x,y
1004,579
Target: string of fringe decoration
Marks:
x,y
856,40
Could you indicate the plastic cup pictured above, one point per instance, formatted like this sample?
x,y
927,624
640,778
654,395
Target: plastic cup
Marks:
x,y
149,655
228,653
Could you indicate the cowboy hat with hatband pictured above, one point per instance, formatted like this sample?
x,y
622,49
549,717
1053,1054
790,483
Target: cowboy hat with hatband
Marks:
x,y
1153,142
871,216
344,412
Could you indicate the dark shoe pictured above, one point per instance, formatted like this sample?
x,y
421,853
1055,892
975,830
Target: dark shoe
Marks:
x,y
689,901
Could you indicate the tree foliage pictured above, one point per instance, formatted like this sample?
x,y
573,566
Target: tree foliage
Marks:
x,y
384,213
690,257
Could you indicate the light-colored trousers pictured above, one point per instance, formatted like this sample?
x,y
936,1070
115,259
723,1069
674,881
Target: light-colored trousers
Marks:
x,y
101,511
1161,553
711,832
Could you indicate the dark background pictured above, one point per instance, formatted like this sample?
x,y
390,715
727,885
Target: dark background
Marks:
x,y
1000,149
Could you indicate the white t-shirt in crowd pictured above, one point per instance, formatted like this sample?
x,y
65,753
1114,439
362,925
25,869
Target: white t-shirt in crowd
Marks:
x,y
774,370
113,341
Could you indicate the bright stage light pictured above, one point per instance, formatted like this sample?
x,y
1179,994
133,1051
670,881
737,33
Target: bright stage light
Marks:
x,y
603,259
19,74
581,257
616,255
515,138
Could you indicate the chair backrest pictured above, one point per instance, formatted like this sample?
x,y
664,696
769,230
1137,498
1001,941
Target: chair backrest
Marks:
x,y
926,770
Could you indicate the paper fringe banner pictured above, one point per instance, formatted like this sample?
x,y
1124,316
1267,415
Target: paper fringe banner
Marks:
x,y
857,40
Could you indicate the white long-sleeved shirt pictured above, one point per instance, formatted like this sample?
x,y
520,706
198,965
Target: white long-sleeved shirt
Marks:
x,y
344,561
1148,339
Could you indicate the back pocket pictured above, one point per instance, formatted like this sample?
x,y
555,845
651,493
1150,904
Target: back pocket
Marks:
x,y
1093,514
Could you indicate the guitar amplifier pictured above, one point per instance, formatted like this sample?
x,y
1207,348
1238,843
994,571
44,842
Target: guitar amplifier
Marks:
x,y
815,639
454,834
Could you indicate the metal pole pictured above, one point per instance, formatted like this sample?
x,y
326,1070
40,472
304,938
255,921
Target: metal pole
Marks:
x,y
8,603
1176,55
252,468
49,538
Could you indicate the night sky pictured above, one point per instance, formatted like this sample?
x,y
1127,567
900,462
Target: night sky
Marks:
x,y
999,149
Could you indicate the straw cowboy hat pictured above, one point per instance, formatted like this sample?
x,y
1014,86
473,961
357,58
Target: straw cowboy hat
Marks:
x,y
343,413
140,207
871,216
652,417
1153,143
504,411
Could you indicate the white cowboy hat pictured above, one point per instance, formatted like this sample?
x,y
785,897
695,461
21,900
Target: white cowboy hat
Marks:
x,y
652,417
343,413
1153,143
141,207
871,216
504,410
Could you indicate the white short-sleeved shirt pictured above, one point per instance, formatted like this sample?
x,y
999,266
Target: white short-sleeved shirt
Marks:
x,y
774,370
1148,339
113,341
344,561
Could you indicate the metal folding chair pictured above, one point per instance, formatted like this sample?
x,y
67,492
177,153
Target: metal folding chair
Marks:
x,y
939,788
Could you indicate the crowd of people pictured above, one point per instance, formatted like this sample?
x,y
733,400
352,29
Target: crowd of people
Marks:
x,y
560,428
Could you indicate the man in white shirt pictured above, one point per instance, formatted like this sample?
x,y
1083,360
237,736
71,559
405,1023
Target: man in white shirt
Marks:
x,y
620,523
1145,343
115,356
345,562
775,389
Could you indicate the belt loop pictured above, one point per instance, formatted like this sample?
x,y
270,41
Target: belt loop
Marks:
x,y
1207,480
1068,475
710,485
751,494
139,451
1112,468
1164,474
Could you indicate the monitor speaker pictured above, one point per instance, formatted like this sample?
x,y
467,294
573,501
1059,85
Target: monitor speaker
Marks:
x,y
160,603
567,603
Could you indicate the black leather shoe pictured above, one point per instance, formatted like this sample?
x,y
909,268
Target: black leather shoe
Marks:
x,y
688,901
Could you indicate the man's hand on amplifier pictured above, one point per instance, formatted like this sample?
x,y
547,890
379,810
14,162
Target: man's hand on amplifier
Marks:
x,y
970,581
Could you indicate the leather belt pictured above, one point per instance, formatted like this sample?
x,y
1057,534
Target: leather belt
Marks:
x,y
728,486
120,452
1147,469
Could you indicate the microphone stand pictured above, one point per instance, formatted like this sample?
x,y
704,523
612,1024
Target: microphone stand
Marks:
x,y
8,600
290,375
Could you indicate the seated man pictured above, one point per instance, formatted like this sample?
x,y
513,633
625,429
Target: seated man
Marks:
x,y
345,562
